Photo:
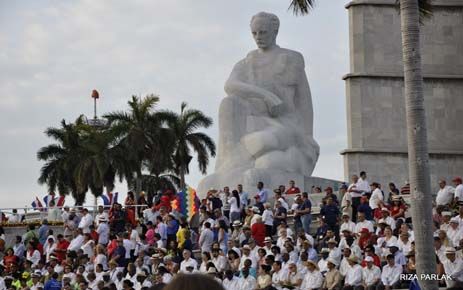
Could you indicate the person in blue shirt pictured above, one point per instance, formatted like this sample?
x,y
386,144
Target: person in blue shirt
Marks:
x,y
119,254
172,228
53,283
262,192
43,232
330,212
364,207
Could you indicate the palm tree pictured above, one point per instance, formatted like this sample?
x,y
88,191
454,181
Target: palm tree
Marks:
x,y
132,133
94,169
61,158
412,12
138,134
186,140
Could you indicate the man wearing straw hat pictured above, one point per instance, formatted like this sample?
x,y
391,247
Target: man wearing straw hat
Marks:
x,y
453,267
332,277
313,279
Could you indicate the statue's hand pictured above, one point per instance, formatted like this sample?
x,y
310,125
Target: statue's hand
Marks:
x,y
274,104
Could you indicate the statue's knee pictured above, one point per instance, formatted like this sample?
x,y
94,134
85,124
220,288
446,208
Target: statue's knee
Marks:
x,y
229,105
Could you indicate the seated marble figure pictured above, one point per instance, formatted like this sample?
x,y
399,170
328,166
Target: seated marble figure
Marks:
x,y
266,120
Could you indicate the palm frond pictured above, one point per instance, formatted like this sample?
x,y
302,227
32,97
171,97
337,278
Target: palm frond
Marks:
x,y
301,7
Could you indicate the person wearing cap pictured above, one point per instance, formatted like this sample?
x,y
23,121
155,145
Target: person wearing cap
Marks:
x,y
398,208
36,283
453,266
445,223
333,277
103,230
371,274
390,275
445,194
454,231
458,196
353,276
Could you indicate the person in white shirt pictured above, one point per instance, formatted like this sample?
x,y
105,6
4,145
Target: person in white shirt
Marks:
x,y
187,262
353,276
267,218
335,252
220,261
362,223
87,246
445,193
347,223
246,281
313,279
102,214
206,238
230,282
386,218
293,277
14,218
454,232
453,266
457,181
77,242
404,243
371,274
103,231
362,184
86,221
278,276
377,197
390,277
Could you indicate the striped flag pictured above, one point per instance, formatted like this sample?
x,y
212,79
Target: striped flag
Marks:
x,y
36,204
109,199
186,203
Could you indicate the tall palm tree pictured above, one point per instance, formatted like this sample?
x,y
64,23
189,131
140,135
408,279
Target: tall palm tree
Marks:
x,y
94,168
61,158
412,13
188,142
132,131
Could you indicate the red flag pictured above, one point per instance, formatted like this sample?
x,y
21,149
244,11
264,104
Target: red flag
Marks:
x,y
95,94
60,201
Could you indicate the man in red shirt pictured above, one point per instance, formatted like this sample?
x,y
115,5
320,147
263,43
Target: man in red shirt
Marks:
x,y
61,248
293,189
258,232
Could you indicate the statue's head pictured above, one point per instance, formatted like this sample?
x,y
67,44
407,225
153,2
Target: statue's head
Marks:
x,y
264,28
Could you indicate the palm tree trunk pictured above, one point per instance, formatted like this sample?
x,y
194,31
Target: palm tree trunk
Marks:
x,y
418,158
182,177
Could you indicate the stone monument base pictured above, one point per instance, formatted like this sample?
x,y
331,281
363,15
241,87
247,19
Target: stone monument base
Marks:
x,y
271,179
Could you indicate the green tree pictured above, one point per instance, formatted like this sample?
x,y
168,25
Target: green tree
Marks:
x,y
60,159
412,13
186,141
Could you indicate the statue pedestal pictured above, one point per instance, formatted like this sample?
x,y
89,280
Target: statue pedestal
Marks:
x,y
270,177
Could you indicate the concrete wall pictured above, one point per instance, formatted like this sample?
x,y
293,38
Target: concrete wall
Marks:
x,y
377,137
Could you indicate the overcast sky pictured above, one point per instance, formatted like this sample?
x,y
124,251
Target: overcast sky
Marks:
x,y
53,53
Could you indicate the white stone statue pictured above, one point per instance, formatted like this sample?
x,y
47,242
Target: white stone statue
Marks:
x,y
266,121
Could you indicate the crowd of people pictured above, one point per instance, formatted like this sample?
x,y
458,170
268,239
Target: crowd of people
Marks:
x,y
362,238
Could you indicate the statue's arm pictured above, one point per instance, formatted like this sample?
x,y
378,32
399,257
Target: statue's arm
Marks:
x,y
237,86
